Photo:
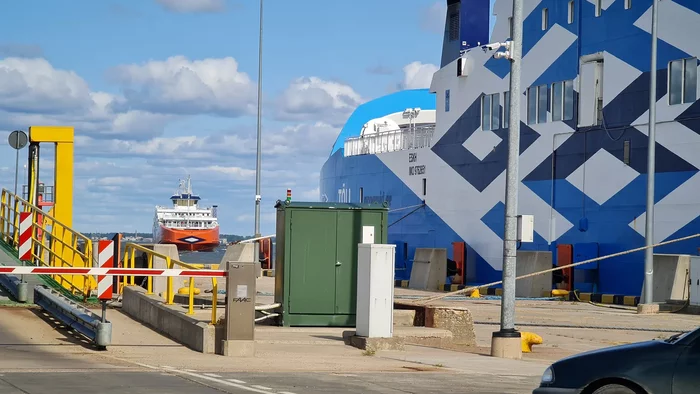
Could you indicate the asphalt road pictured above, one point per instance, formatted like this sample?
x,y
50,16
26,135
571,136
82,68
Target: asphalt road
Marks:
x,y
197,382
36,358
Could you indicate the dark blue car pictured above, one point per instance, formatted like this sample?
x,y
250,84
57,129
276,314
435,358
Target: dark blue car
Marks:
x,y
669,366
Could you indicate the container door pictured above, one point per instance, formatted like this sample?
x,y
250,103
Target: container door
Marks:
x,y
312,266
349,232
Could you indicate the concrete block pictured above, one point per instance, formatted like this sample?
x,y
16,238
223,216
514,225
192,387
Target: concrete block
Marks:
x,y
648,309
238,348
374,344
170,321
670,277
404,318
424,336
527,263
457,320
429,270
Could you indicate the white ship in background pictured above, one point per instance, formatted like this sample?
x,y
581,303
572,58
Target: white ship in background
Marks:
x,y
185,223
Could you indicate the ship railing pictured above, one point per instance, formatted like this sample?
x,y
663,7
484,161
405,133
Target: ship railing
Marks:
x,y
130,250
51,243
390,141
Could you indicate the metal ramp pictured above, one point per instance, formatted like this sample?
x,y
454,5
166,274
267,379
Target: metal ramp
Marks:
x,y
20,292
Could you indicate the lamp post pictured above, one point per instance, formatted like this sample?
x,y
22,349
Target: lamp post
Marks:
x,y
506,342
651,169
258,170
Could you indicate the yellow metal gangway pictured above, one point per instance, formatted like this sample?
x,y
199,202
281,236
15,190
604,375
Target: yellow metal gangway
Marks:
x,y
53,243
130,251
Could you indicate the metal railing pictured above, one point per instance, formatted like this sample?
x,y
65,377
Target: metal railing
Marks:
x,y
170,263
53,243
390,141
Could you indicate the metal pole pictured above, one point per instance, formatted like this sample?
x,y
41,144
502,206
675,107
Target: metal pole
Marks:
x,y
258,169
651,164
512,180
16,162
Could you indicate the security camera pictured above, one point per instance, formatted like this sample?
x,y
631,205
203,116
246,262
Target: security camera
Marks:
x,y
491,47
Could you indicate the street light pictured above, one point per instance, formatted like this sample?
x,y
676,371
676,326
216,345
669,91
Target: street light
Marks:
x,y
258,170
506,342
648,296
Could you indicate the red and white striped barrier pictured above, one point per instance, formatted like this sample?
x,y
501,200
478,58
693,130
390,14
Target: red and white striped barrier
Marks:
x,y
105,259
110,271
25,236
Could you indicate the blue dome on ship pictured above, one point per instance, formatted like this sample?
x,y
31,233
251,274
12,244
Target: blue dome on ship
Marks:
x,y
391,103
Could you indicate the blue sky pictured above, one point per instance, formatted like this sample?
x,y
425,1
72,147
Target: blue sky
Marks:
x,y
158,89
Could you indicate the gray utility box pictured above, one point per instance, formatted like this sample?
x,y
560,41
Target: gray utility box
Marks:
x,y
316,259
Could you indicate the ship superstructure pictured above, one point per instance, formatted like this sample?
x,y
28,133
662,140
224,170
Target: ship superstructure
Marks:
x,y
185,223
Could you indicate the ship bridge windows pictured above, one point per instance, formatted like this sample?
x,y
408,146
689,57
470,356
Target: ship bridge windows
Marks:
x,y
563,100
537,103
571,12
491,111
682,81
545,19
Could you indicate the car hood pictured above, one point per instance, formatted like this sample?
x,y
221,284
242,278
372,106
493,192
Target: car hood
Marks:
x,y
618,351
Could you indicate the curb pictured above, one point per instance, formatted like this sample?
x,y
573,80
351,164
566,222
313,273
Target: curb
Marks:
x,y
599,298
492,291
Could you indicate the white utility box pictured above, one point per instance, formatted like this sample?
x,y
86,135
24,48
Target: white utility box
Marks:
x,y
695,280
375,290
526,228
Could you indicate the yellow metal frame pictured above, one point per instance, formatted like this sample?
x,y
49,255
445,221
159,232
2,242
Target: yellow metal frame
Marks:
x,y
63,138
63,251
130,262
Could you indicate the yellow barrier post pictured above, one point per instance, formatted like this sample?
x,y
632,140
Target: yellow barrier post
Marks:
x,y
190,310
214,300
169,289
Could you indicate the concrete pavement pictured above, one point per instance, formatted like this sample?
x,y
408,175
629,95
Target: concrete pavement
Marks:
x,y
38,356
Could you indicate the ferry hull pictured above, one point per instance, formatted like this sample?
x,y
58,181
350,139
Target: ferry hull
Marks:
x,y
190,240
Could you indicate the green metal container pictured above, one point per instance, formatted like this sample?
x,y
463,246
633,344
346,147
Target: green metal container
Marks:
x,y
316,259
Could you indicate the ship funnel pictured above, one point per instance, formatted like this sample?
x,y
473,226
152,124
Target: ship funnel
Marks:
x,y
215,211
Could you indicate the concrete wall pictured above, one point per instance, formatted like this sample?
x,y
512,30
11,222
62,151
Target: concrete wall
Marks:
x,y
528,262
670,277
171,322
429,270
242,252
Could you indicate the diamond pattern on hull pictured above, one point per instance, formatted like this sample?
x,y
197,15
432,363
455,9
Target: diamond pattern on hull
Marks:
x,y
191,239
588,179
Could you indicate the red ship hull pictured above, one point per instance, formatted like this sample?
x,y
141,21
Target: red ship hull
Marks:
x,y
205,240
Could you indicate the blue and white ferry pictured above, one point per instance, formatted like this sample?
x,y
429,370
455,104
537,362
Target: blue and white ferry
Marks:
x,y
438,156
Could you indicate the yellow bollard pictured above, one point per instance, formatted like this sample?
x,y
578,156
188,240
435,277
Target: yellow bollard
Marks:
x,y
560,293
475,294
527,339
186,290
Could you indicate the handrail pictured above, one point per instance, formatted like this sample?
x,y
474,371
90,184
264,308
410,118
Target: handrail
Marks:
x,y
389,141
63,242
130,262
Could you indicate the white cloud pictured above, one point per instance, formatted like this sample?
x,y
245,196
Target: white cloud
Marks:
x,y
418,75
312,98
34,92
178,85
125,165
190,6
433,17
34,86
